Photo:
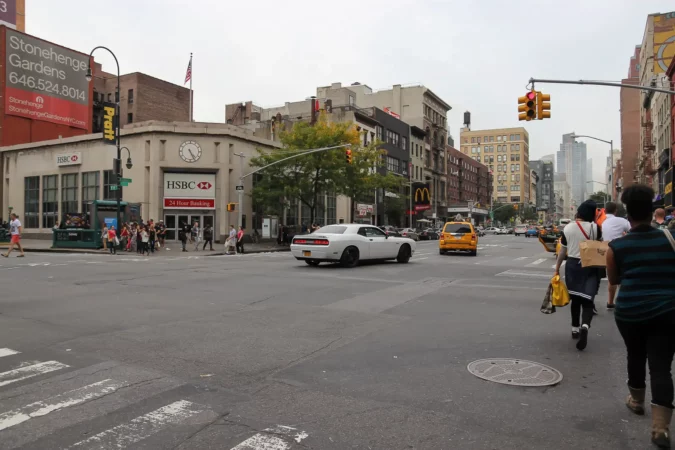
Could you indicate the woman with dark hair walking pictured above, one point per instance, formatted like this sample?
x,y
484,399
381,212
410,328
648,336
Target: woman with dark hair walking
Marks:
x,y
642,263
582,282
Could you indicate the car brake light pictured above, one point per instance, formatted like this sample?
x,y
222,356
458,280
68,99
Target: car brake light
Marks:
x,y
321,242
473,237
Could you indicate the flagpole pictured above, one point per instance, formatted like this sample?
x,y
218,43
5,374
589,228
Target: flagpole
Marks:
x,y
190,87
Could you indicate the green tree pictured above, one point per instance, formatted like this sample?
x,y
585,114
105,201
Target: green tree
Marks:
x,y
529,214
620,210
503,213
599,198
308,177
394,208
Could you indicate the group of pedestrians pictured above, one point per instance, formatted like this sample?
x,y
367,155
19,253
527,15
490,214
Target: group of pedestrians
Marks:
x,y
640,268
141,238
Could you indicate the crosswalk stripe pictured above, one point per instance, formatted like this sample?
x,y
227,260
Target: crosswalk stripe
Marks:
x,y
143,426
539,261
23,373
521,258
70,398
269,439
7,352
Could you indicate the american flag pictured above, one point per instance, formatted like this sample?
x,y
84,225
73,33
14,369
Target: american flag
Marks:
x,y
188,74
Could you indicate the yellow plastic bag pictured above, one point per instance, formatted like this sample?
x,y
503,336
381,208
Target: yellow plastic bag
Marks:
x,y
559,294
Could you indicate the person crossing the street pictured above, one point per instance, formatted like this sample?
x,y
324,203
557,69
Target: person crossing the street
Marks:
x,y
613,228
208,237
15,230
582,282
197,235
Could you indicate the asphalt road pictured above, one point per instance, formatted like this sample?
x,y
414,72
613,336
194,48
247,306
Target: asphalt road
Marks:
x,y
263,352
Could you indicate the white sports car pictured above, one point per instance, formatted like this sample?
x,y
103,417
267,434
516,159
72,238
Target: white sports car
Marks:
x,y
350,243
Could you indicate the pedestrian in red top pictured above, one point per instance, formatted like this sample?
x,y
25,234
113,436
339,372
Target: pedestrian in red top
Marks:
x,y
125,237
112,240
240,240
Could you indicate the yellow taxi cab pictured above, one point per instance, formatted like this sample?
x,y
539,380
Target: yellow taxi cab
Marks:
x,y
458,236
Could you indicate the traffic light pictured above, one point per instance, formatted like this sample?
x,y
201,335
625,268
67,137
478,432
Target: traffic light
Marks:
x,y
230,207
543,106
526,106
515,206
348,156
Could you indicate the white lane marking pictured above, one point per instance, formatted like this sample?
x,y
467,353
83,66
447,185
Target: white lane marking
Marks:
x,y
22,373
7,352
512,273
539,261
70,398
521,258
143,426
269,439
420,259
561,265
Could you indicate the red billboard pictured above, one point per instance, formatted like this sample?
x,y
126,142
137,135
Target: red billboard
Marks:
x,y
8,13
45,82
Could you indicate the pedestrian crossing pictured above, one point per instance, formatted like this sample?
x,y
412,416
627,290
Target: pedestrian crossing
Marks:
x,y
85,404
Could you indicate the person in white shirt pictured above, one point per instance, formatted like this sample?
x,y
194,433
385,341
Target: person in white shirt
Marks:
x,y
612,228
15,229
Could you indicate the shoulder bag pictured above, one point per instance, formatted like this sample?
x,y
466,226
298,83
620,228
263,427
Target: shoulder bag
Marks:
x,y
592,252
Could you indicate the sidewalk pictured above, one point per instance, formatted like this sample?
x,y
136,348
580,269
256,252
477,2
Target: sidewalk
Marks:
x,y
172,249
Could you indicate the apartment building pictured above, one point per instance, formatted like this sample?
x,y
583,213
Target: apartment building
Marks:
x,y
468,182
506,152
630,127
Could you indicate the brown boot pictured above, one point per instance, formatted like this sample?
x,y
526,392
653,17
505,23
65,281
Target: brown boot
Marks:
x,y
636,401
660,422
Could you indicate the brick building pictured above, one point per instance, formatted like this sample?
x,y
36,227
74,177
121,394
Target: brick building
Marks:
x,y
630,127
143,98
468,181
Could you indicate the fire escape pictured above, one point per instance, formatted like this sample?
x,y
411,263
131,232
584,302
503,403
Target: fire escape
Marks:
x,y
646,168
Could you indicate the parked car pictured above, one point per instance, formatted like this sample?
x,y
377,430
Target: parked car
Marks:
x,y
492,230
520,229
532,232
390,231
502,230
409,233
429,235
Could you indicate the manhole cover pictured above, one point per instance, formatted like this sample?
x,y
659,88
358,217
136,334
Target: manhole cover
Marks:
x,y
516,372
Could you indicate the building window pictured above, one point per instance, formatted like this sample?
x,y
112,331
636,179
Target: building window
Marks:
x,y
473,140
130,96
331,208
417,150
492,138
378,131
404,143
351,100
31,202
50,200
130,117
515,188
109,180
499,138
393,138
90,187
69,193
485,139
392,164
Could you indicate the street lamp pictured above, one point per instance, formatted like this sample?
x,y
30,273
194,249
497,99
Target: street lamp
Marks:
x,y
117,166
611,149
130,164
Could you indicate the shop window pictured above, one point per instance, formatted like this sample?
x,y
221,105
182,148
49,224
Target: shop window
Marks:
x,y
31,202
50,200
110,180
69,193
90,189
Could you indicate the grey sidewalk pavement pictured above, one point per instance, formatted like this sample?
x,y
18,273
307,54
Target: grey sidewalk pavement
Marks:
x,y
45,246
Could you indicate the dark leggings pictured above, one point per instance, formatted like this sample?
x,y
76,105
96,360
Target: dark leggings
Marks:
x,y
653,342
581,307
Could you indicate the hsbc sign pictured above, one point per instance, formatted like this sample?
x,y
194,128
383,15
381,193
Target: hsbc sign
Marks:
x,y
68,159
179,187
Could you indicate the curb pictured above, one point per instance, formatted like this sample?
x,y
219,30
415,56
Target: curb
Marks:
x,y
101,252
253,252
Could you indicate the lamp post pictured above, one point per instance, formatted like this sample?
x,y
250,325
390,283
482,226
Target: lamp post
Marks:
x,y
611,150
117,165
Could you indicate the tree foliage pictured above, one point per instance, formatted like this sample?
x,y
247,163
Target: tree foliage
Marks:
x,y
503,213
308,177
599,197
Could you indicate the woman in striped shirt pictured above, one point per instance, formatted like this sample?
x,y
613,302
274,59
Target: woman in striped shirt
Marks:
x,y
643,264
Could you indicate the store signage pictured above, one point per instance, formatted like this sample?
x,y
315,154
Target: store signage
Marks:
x,y
189,191
69,159
45,82
422,196
109,123
364,209
8,13
189,203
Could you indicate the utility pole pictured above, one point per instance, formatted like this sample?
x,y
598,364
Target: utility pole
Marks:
x,y
240,188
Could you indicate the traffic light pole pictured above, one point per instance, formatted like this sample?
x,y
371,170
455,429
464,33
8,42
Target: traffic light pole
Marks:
x,y
601,83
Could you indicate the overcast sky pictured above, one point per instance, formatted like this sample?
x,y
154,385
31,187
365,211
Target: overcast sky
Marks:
x,y
477,56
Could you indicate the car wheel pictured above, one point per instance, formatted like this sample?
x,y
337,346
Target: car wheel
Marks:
x,y
350,257
474,253
312,262
441,252
403,254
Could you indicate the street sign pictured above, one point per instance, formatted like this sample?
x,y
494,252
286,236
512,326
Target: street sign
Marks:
x,y
125,180
124,183
240,188
113,187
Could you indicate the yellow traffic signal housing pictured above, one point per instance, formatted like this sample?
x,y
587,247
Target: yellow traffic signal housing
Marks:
x,y
543,106
348,156
230,206
515,206
526,106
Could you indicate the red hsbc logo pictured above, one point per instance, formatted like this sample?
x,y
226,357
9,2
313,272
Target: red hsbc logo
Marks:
x,y
204,185
73,158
